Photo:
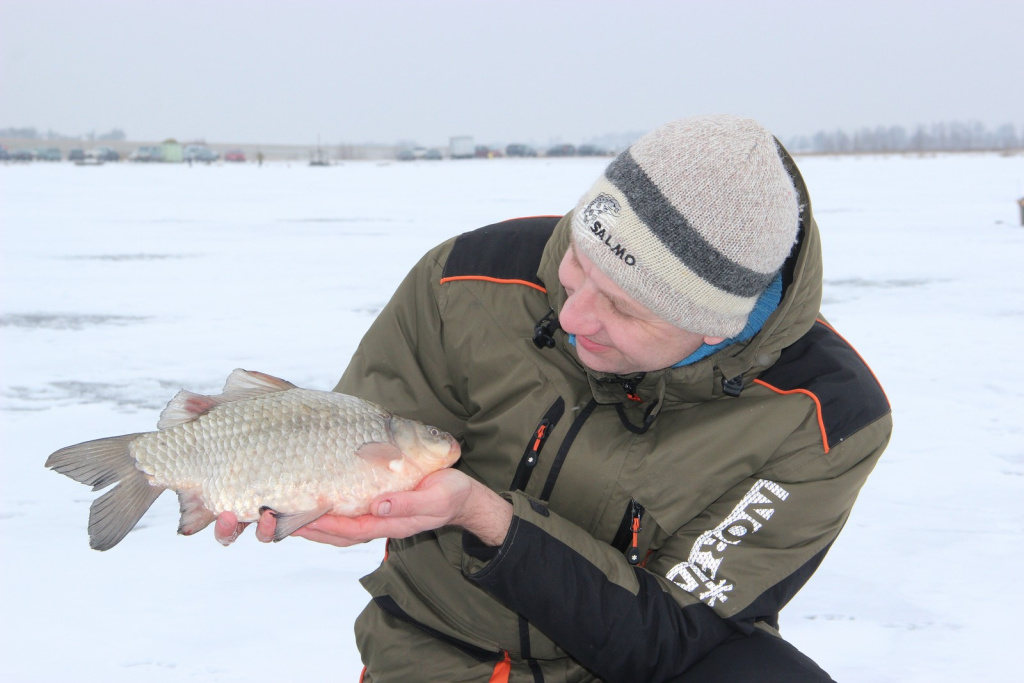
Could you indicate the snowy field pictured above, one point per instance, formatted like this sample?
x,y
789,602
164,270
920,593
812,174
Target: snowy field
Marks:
x,y
121,284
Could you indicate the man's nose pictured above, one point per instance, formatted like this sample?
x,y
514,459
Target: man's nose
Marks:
x,y
577,315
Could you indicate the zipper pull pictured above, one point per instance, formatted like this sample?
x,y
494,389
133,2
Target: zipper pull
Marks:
x,y
633,554
538,440
629,386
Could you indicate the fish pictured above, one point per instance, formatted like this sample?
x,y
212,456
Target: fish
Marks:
x,y
263,443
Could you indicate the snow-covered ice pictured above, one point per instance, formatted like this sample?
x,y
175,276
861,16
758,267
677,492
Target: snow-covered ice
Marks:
x,y
120,284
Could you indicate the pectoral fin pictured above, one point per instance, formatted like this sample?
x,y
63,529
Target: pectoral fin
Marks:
x,y
381,454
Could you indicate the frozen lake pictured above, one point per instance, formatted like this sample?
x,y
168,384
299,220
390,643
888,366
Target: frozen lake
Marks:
x,y
120,284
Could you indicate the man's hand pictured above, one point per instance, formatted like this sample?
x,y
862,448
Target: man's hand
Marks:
x,y
446,497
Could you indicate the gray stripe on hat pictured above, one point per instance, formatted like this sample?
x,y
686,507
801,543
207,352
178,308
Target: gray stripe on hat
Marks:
x,y
678,236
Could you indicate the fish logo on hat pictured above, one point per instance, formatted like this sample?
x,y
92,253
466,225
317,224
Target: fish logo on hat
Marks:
x,y
599,218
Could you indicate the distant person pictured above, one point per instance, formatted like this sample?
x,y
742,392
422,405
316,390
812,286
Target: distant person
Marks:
x,y
661,437
259,158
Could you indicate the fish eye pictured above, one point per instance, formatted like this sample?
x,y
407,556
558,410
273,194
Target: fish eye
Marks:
x,y
434,431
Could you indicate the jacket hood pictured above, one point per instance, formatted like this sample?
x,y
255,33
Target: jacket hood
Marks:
x,y
703,380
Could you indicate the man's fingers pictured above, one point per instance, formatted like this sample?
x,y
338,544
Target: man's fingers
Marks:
x,y
346,531
418,502
266,526
398,515
321,537
227,528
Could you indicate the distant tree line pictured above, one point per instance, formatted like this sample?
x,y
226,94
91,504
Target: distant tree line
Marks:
x,y
113,135
939,137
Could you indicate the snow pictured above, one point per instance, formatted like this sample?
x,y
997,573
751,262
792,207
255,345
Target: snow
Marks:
x,y
120,284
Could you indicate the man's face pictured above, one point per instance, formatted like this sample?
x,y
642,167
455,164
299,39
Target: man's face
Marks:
x,y
614,332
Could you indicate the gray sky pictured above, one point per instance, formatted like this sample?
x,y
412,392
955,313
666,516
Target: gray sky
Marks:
x,y
544,71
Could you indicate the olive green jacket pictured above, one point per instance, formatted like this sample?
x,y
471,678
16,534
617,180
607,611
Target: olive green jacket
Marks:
x,y
644,532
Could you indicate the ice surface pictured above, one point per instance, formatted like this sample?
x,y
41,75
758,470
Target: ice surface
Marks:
x,y
120,284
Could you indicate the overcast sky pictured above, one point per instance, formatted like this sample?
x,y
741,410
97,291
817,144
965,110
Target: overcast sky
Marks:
x,y
267,71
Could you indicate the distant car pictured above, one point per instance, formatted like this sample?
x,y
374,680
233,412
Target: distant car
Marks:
x,y
76,154
562,151
48,154
432,155
517,150
92,158
4,155
107,154
406,155
199,153
235,155
591,151
22,155
147,154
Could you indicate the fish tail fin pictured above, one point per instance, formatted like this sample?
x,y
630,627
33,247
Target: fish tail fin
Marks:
x,y
117,511
98,464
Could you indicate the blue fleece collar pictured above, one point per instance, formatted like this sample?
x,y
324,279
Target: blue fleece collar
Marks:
x,y
765,306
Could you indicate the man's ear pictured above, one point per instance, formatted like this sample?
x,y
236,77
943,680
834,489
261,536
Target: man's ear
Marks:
x,y
711,341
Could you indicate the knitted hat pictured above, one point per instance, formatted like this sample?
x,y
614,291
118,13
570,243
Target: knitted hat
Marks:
x,y
694,221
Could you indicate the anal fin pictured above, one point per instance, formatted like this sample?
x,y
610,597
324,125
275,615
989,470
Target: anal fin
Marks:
x,y
194,515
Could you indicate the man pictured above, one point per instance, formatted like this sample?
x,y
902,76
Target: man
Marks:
x,y
661,440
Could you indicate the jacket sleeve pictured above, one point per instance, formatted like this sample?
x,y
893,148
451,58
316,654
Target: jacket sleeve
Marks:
x,y
618,621
400,362
737,563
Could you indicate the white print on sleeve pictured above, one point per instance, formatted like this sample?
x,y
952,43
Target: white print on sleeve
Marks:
x,y
700,568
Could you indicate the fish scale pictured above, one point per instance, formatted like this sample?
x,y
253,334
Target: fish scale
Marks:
x,y
261,443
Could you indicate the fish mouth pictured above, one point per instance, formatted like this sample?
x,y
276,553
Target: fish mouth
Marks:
x,y
455,450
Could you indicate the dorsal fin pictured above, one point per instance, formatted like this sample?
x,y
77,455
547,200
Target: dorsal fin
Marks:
x,y
185,407
240,385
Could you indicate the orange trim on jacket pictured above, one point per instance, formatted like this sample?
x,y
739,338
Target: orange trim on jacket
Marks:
x,y
817,403
493,279
817,406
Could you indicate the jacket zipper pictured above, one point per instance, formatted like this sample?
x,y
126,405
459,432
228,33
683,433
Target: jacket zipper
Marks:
x,y
531,456
563,449
627,538
636,513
